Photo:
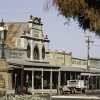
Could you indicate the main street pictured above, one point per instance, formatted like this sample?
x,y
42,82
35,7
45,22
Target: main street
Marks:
x,y
87,96
72,98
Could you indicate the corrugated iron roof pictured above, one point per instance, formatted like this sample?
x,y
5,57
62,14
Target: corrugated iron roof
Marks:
x,y
95,70
27,63
70,69
73,69
15,30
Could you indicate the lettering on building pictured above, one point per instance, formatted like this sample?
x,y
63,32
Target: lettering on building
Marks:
x,y
16,55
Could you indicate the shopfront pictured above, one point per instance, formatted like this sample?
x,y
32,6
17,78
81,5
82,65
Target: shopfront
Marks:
x,y
35,77
42,79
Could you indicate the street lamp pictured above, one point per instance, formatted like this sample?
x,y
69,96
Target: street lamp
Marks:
x,y
3,34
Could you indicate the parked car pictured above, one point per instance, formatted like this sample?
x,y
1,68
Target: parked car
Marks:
x,y
73,86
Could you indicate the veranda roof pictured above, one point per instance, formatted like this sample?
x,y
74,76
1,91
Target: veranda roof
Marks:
x,y
73,69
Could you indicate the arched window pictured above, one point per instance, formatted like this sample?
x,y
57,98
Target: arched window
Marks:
x,y
43,52
28,50
36,53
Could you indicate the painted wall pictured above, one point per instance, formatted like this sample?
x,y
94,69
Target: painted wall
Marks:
x,y
59,58
94,62
81,63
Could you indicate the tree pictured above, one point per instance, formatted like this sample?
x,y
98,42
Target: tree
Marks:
x,y
86,12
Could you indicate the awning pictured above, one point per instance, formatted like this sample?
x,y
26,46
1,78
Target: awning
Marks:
x,y
72,69
15,67
86,74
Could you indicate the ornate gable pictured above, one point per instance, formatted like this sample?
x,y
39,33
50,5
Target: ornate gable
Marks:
x,y
35,20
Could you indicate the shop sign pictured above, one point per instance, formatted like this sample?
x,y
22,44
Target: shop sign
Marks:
x,y
16,55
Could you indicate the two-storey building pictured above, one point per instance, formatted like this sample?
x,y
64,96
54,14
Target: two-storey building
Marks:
x,y
29,63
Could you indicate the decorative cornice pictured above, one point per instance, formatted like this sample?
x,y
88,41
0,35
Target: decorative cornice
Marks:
x,y
36,39
36,29
35,23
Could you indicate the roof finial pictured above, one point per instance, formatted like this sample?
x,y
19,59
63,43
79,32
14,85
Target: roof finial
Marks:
x,y
31,17
2,23
2,20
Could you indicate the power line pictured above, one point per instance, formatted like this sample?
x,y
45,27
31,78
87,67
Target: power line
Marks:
x,y
96,45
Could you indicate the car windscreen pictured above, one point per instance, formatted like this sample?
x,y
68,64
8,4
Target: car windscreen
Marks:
x,y
72,82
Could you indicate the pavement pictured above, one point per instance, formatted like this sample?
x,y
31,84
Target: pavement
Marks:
x,y
77,97
87,95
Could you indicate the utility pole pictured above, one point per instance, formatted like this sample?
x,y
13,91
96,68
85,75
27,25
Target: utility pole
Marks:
x,y
3,38
88,41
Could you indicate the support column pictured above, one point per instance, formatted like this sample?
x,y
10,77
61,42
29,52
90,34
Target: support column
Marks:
x,y
51,78
88,83
65,76
22,79
42,80
59,78
75,76
99,82
80,77
33,79
92,82
70,77
96,82
50,83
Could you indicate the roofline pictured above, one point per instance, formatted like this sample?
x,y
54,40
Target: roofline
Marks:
x,y
57,52
79,59
43,40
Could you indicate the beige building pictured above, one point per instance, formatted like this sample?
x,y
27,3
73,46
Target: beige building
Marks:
x,y
64,59
81,63
59,58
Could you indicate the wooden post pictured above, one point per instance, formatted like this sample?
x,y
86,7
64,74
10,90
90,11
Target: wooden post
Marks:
x,y
42,80
22,79
32,80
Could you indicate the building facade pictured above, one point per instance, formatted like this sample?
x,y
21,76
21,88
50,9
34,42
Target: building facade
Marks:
x,y
25,51
81,63
59,58
32,66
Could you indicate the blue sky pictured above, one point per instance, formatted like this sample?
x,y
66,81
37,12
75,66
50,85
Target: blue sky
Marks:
x,y
68,38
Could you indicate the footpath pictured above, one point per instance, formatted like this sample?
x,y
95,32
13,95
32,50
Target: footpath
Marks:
x,y
88,95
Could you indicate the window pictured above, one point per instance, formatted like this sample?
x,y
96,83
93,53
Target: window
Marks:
x,y
73,62
28,50
36,53
43,52
35,34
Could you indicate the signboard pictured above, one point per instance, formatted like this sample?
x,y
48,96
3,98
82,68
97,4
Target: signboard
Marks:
x,y
16,55
2,81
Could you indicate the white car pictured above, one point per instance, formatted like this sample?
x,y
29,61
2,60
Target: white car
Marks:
x,y
64,89
73,86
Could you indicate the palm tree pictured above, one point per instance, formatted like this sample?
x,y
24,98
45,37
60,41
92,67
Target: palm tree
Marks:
x,y
86,12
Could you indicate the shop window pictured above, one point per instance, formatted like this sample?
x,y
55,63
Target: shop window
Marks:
x,y
46,80
37,80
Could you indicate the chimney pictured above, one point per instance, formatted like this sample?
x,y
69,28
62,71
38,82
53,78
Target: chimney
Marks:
x,y
2,23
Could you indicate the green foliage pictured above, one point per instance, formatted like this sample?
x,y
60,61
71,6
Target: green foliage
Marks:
x,y
86,12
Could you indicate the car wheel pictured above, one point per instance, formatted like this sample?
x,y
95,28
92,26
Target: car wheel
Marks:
x,y
61,91
72,91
